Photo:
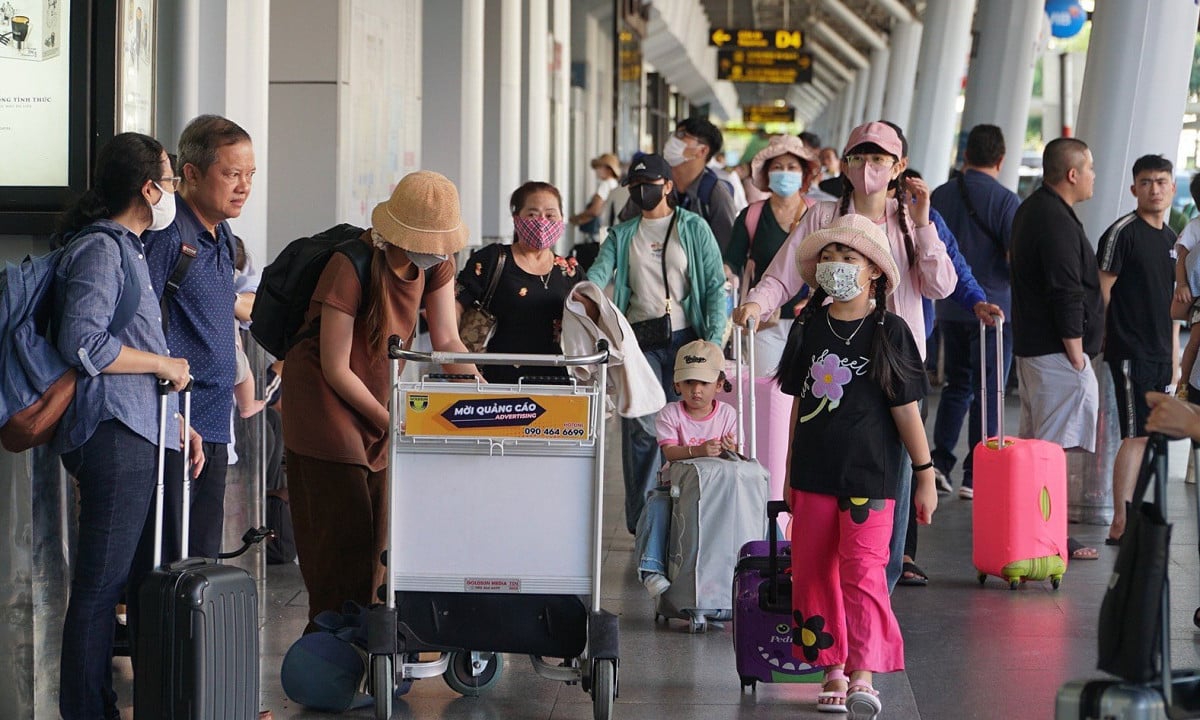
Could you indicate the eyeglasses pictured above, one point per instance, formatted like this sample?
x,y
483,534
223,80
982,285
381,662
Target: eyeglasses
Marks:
x,y
169,184
876,160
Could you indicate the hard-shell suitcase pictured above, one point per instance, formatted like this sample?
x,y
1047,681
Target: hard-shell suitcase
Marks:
x,y
718,506
1108,700
1019,513
197,642
762,611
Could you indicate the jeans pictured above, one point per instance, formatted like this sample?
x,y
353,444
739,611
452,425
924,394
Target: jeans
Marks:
x,y
653,530
903,509
115,469
640,456
960,393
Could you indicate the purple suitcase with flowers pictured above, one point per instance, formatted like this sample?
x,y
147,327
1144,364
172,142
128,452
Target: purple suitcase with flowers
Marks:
x,y
762,611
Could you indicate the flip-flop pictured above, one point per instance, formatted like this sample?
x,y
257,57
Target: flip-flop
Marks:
x,y
911,574
862,702
1079,551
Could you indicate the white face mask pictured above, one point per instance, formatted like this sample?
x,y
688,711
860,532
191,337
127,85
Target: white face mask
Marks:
x,y
425,260
162,213
673,151
839,280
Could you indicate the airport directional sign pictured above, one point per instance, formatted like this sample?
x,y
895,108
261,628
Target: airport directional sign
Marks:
x,y
778,67
757,39
762,114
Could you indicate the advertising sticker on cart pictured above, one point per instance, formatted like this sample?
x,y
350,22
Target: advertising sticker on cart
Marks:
x,y
455,414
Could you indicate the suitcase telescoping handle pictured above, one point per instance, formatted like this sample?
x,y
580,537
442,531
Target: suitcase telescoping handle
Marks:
x,y
164,389
983,388
774,509
746,401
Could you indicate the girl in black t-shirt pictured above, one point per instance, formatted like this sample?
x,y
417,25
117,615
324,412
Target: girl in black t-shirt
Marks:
x,y
856,374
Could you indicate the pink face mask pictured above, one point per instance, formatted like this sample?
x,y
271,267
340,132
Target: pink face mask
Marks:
x,y
538,233
869,178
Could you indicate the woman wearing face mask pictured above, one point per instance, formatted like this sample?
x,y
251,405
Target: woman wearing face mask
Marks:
x,y
336,384
110,331
785,169
662,241
531,288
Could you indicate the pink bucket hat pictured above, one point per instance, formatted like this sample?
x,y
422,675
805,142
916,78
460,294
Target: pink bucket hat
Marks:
x,y
853,231
877,133
780,145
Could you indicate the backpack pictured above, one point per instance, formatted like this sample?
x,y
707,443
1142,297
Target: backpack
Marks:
x,y
287,284
708,182
38,384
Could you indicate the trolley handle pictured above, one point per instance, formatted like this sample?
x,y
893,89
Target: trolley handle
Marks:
x,y
450,376
396,351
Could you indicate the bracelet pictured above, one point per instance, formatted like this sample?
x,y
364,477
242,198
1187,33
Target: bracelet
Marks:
x,y
919,468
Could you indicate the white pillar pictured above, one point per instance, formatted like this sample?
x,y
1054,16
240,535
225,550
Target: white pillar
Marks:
x,y
537,111
561,173
470,179
1129,109
860,98
1000,77
898,95
509,148
845,103
876,80
944,48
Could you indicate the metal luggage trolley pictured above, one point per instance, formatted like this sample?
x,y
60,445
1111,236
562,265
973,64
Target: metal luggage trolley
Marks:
x,y
495,532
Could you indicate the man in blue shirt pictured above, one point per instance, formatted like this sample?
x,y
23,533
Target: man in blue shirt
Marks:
x,y
979,211
191,265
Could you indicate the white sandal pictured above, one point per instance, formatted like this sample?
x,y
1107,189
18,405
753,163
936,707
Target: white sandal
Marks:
x,y
862,701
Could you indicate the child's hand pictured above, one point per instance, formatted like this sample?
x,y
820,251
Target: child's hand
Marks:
x,y
925,497
729,442
709,448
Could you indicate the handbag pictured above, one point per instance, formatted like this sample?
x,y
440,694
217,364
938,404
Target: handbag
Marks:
x,y
35,424
655,333
477,324
1130,633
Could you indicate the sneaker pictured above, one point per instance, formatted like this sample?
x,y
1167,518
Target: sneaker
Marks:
x,y
656,584
966,492
942,482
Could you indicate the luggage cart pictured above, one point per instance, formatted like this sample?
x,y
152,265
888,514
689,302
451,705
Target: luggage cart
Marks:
x,y
495,531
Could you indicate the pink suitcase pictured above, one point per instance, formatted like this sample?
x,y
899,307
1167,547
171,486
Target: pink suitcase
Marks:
x,y
772,416
1020,504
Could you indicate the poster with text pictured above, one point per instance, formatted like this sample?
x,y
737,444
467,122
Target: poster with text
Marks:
x,y
135,66
35,80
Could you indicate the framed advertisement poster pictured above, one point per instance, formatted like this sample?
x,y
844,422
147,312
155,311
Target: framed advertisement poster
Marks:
x,y
136,38
45,110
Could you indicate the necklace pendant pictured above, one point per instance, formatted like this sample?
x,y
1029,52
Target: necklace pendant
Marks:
x,y
848,341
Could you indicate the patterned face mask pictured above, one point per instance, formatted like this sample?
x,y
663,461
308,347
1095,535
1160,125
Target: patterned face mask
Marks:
x,y
538,233
839,280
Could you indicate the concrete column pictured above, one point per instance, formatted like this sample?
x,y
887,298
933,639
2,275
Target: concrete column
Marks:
x,y
1128,108
247,93
1052,118
537,108
845,107
860,98
943,61
561,157
876,79
502,116
1000,76
898,95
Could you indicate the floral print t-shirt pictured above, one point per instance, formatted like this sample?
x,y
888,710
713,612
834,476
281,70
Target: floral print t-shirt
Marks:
x,y
845,441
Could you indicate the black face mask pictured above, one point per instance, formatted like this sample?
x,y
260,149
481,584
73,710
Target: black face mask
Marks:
x,y
646,196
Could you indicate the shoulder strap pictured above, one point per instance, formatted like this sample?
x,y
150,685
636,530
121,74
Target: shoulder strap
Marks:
x,y
666,241
131,292
187,253
708,181
962,189
494,279
753,214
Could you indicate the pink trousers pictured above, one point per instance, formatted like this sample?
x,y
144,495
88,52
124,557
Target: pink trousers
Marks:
x,y
841,611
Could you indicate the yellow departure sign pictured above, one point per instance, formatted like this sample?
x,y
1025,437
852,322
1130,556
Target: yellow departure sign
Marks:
x,y
776,67
746,38
763,114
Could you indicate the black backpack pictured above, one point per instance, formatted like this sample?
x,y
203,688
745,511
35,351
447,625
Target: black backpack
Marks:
x,y
286,286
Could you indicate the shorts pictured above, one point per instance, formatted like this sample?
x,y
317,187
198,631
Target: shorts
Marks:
x,y
1058,403
1132,379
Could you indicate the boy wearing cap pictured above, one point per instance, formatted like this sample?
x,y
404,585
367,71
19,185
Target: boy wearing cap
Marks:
x,y
697,426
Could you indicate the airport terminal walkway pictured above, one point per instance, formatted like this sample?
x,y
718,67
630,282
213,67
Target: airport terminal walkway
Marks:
x,y
971,652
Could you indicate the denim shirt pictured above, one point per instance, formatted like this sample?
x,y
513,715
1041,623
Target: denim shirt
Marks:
x,y
87,288
201,314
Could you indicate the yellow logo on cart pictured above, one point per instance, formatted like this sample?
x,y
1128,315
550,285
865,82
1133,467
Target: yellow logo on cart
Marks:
x,y
452,414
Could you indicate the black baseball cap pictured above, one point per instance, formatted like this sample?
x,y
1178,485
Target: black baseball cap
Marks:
x,y
648,167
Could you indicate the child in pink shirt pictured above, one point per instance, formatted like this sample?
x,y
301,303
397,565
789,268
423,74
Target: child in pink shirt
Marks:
x,y
696,426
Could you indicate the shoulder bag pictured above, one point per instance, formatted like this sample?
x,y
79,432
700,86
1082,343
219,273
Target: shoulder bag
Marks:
x,y
477,324
655,333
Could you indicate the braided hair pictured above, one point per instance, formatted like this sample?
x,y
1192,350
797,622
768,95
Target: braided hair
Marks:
x,y
790,372
888,368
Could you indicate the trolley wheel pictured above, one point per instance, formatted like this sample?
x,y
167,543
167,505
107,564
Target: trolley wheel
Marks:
x,y
461,680
382,681
697,623
982,577
1014,584
604,689
749,682
1055,582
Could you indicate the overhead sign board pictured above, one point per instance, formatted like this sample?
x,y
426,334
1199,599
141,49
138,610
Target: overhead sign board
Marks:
x,y
778,67
756,39
762,114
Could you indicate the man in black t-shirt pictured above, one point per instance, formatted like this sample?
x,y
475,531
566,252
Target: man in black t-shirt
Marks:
x,y
1137,279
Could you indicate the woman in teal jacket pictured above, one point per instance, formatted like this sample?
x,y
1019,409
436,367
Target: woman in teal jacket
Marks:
x,y
631,258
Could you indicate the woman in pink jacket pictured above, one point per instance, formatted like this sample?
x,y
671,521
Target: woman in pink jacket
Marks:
x,y
873,163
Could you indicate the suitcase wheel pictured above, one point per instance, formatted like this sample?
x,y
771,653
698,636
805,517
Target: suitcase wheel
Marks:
x,y
697,623
749,682
982,577
1014,584
1055,582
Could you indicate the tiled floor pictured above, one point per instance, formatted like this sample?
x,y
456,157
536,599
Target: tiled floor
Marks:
x,y
971,651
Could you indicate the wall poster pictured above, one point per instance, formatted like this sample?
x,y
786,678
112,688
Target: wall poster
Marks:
x,y
136,21
35,93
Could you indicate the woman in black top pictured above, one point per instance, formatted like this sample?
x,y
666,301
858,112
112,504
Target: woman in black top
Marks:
x,y
532,286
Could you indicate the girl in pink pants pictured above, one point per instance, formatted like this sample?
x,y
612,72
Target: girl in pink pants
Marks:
x,y
856,375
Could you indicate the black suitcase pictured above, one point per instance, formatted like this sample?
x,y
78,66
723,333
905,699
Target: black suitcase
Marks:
x,y
197,643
